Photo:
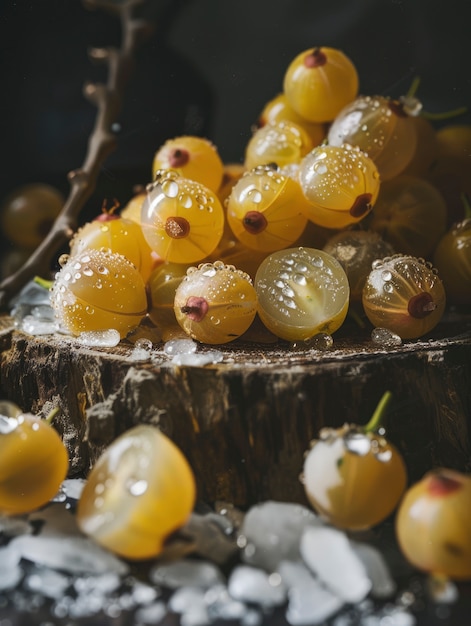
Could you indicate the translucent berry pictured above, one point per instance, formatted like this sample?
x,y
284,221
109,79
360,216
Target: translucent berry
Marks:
x,y
426,150
28,213
98,290
232,173
265,210
379,126
432,524
139,491
354,477
182,220
452,257
279,109
192,157
341,184
356,250
319,82
411,214
405,295
118,234
33,463
279,142
132,210
161,287
215,303
301,292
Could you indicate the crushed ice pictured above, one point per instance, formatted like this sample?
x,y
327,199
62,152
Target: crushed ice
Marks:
x,y
277,558
184,351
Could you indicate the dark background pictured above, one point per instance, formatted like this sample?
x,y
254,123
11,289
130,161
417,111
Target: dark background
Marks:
x,y
208,70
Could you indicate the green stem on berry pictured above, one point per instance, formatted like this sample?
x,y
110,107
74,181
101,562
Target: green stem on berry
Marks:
x,y
42,282
52,414
434,117
413,89
380,411
467,205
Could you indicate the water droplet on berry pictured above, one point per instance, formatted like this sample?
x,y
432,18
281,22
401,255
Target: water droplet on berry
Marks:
x,y
137,487
357,443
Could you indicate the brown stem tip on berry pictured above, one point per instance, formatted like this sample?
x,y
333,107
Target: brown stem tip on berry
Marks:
x,y
315,59
421,305
442,485
361,206
195,308
177,227
254,222
178,158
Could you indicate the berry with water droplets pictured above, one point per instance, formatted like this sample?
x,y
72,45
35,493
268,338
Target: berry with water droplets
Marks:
x,y
139,491
341,183
182,220
192,157
379,126
405,295
281,142
353,476
215,303
265,210
301,292
98,290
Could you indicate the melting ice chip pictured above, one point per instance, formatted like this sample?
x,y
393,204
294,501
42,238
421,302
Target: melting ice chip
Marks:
x,y
250,584
47,582
272,531
186,572
99,338
180,346
198,360
34,326
328,553
10,570
73,555
385,338
309,601
383,585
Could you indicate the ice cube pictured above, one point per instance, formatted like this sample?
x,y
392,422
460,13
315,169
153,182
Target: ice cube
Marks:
x,y
272,532
74,555
383,585
250,584
186,572
150,614
47,582
328,553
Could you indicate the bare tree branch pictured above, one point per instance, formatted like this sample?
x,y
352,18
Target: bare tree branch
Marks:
x,y
108,99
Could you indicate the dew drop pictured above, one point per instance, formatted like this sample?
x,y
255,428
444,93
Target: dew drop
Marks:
x,y
385,337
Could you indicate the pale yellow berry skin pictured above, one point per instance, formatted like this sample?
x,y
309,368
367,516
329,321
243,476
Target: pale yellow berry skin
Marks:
x,y
433,524
283,142
139,491
319,82
99,290
224,302
33,464
354,491
202,162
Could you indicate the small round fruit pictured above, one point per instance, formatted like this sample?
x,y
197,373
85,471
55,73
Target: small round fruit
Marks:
x,y
215,303
192,157
279,109
353,478
98,290
341,184
452,258
28,213
182,220
405,295
161,287
319,82
282,143
433,524
118,234
139,491
356,250
301,292
133,209
33,463
411,214
379,126
265,210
